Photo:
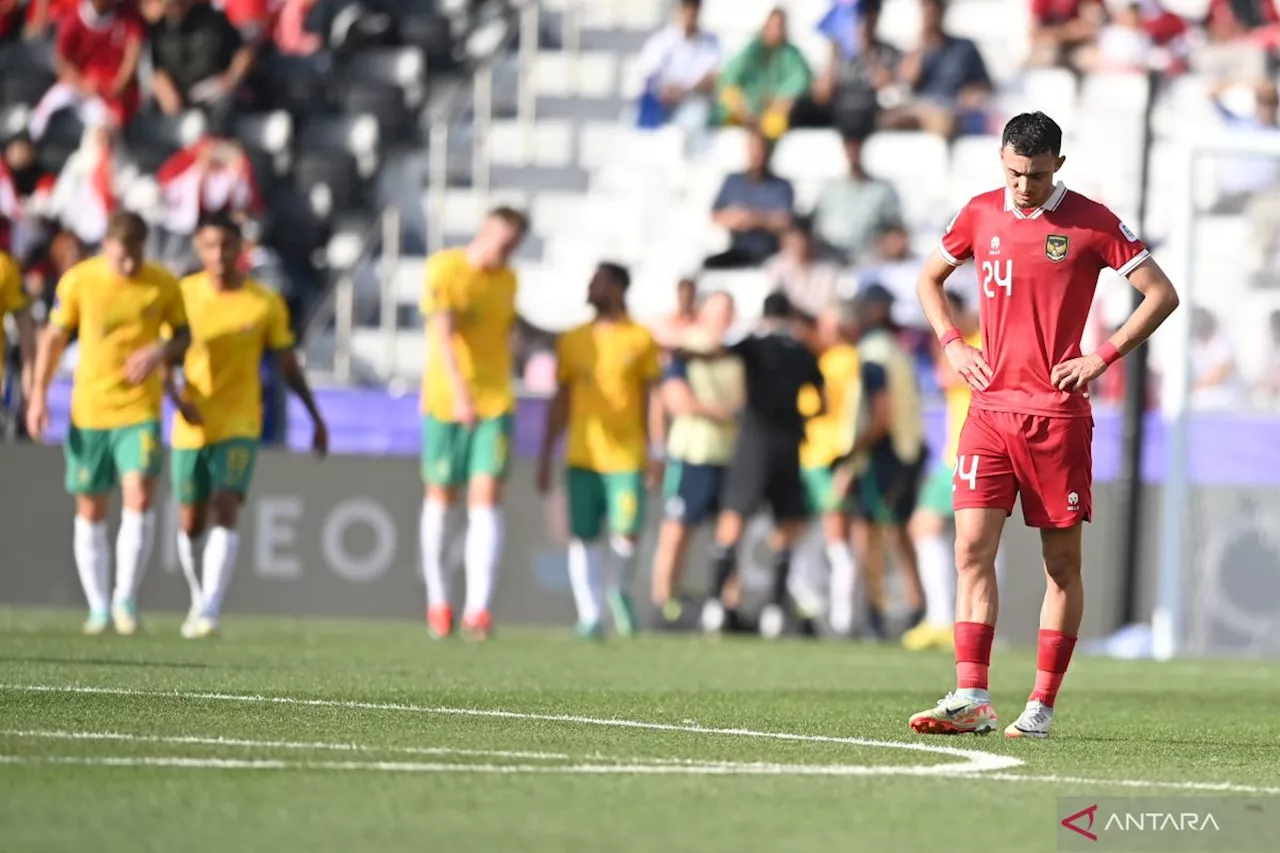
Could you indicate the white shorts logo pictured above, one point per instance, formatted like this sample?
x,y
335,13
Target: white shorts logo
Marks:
x,y
675,508
1073,502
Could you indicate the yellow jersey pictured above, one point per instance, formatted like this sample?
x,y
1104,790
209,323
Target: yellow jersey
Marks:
x,y
958,397
13,298
483,305
116,317
608,368
230,331
830,435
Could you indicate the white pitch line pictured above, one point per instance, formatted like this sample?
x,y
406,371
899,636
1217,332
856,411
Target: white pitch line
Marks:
x,y
974,761
1225,787
710,769
286,744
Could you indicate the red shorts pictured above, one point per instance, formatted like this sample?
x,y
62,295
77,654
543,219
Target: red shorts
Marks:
x,y
1047,461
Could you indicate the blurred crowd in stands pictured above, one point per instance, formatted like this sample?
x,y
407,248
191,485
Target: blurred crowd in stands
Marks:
x,y
855,235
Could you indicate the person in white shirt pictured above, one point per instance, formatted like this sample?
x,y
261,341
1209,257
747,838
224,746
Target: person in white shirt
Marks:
x,y
679,64
1215,378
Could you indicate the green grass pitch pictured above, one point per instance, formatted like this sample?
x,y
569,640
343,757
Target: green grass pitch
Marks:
x,y
312,736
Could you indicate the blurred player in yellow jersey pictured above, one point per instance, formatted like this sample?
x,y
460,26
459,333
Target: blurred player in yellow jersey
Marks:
x,y
929,522
234,322
468,404
829,438
13,300
118,302
606,371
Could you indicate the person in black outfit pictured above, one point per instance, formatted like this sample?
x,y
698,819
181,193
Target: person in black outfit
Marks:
x,y
766,462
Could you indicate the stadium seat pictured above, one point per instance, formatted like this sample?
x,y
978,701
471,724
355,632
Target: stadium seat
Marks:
x,y
384,102
64,128
334,169
24,86
425,28
601,144
547,143
975,168
404,68
916,164
296,84
588,75
14,119
729,150
292,228
1115,93
809,154
31,56
152,128
355,135
268,138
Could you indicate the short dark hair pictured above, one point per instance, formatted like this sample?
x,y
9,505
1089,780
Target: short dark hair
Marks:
x,y
616,273
1032,135
870,7
515,218
777,306
691,4
220,219
127,227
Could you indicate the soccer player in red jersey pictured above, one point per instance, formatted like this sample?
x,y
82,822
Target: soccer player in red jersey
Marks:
x,y
1039,248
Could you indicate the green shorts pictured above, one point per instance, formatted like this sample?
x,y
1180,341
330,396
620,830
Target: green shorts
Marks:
x,y
452,455
819,490
936,495
226,466
98,458
593,497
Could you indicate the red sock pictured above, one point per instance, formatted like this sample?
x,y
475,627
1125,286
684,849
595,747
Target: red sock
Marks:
x,y
973,654
1054,655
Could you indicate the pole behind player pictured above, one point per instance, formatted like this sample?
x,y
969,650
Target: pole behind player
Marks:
x,y
216,430
118,303
606,370
468,406
929,522
1039,249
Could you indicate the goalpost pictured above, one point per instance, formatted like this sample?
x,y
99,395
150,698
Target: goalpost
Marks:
x,y
1218,583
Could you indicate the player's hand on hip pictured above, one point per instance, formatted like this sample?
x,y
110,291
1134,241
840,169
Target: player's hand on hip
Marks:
x,y
143,363
37,418
1075,374
970,364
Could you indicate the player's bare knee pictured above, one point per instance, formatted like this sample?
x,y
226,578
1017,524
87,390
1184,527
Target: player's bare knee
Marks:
x,y
93,508
1062,556
484,491
192,519
138,492
975,556
225,509
440,494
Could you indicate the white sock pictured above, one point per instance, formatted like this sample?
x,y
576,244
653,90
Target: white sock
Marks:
x,y
624,556
188,547
585,578
938,577
133,551
93,562
219,563
844,582
485,533
431,533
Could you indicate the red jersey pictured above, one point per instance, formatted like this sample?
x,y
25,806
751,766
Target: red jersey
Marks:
x,y
1038,270
96,44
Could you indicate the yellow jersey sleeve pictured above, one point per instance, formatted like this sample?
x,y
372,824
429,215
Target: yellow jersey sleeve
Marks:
x,y
438,290
13,297
564,359
66,302
279,335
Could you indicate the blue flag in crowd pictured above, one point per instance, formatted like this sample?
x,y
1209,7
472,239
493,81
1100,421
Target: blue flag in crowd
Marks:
x,y
840,24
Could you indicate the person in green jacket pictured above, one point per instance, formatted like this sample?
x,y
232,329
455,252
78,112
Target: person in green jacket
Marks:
x,y
759,85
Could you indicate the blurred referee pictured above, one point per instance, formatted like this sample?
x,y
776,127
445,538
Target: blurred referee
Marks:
x,y
765,467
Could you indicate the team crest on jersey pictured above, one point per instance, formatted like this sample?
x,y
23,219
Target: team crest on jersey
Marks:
x,y
1055,247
